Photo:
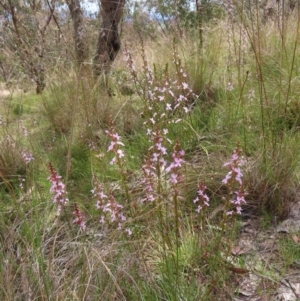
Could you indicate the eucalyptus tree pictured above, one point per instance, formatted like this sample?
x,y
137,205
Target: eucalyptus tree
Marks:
x,y
108,43
79,31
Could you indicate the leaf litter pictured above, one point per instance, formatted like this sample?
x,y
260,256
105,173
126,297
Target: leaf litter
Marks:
x,y
259,251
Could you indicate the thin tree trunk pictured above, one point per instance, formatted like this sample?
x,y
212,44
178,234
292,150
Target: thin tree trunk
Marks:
x,y
199,8
109,42
81,47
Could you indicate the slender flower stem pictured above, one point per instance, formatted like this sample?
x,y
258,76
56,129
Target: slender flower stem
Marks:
x,y
119,158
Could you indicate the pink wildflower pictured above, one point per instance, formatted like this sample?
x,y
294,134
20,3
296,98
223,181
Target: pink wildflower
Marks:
x,y
120,153
129,232
92,145
202,197
162,96
112,212
177,158
185,86
115,144
230,86
27,157
24,130
158,150
234,181
58,189
99,195
21,181
130,64
234,165
149,179
79,217
175,167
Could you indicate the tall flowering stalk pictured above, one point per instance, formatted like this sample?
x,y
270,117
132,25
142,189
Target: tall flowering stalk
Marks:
x,y
111,211
202,198
116,147
148,180
130,64
79,217
162,96
24,130
186,93
158,150
157,163
176,176
234,181
57,189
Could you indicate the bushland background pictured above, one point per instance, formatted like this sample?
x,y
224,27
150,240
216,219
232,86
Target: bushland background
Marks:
x,y
149,150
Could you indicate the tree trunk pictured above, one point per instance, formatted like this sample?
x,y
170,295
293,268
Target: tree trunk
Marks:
x,y
81,47
199,9
109,42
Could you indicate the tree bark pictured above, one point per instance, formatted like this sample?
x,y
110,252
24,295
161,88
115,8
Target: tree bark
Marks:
x,y
109,42
199,9
81,47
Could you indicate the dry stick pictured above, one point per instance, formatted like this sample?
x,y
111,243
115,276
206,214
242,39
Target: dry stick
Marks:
x,y
291,287
50,16
57,24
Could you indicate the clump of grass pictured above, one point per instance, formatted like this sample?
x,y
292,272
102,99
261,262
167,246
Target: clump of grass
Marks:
x,y
273,183
58,107
11,160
